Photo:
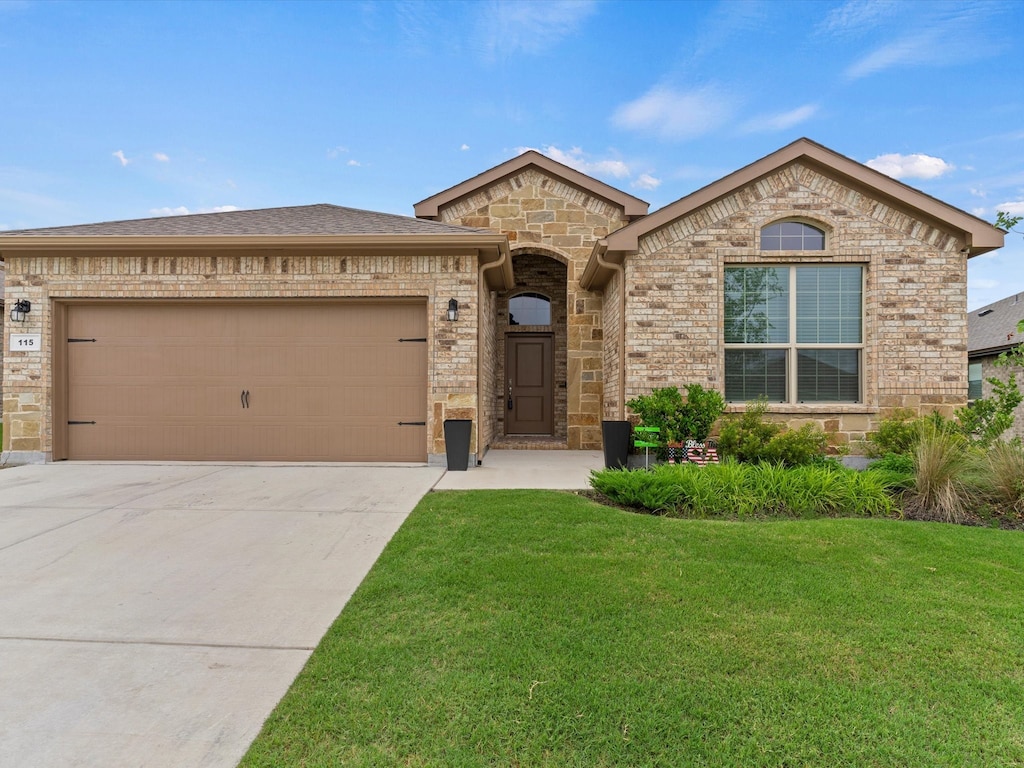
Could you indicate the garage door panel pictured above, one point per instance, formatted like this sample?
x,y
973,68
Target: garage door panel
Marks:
x,y
325,381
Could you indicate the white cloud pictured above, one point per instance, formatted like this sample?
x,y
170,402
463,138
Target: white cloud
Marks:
x,y
181,210
333,152
914,166
986,284
922,48
646,181
354,163
857,16
577,158
160,157
978,192
1014,208
120,156
780,121
509,27
673,114
464,147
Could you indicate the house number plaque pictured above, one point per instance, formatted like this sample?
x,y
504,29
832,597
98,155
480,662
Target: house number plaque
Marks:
x,y
26,342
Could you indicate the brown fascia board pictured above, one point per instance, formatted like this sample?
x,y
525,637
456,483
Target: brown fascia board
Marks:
x,y
979,235
633,207
487,246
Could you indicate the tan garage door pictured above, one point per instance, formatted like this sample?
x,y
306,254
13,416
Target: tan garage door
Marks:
x,y
310,381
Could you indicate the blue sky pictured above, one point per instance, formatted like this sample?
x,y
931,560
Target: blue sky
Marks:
x,y
126,110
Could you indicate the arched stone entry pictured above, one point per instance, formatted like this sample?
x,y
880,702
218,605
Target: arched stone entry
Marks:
x,y
544,276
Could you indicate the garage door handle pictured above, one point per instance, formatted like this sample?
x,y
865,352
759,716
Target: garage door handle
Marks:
x,y
245,398
412,423
81,422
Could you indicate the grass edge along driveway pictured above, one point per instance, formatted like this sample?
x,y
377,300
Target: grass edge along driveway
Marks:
x,y
538,628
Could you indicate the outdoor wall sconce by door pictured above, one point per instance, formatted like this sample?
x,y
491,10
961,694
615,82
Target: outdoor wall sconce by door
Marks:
x,y
453,310
21,309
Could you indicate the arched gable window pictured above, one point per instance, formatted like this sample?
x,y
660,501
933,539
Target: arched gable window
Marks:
x,y
529,309
792,236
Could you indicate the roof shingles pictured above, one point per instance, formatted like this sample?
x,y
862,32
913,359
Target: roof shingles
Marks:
x,y
993,328
310,220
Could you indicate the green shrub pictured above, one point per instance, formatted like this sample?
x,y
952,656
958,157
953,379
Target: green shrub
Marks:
x,y
744,437
896,470
702,409
896,435
750,437
731,490
984,420
679,419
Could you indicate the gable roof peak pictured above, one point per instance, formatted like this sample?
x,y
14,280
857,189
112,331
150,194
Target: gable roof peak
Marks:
x,y
633,207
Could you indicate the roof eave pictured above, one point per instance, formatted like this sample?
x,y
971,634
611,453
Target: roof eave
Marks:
x,y
135,242
595,275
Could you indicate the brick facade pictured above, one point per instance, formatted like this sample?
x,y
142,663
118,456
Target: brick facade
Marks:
x,y
543,216
914,302
557,222
44,278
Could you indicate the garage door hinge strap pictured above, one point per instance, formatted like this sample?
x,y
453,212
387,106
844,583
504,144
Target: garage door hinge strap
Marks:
x,y
424,340
81,422
412,423
72,341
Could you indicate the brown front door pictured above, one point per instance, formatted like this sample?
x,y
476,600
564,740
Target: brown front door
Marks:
x,y
529,385
288,381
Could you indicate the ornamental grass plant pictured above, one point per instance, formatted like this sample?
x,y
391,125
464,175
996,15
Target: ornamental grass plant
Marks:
x,y
946,476
1003,477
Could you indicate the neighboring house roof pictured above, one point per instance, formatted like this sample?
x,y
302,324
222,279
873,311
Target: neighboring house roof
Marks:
x,y
979,235
993,329
297,226
632,206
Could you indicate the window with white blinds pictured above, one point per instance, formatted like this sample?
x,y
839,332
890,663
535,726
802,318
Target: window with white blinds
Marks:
x,y
794,334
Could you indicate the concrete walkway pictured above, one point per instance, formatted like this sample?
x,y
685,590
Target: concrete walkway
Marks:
x,y
153,615
559,470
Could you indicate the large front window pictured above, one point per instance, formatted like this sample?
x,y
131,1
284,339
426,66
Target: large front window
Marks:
x,y
794,334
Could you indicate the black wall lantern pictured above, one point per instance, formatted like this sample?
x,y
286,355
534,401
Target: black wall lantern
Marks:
x,y
453,310
21,309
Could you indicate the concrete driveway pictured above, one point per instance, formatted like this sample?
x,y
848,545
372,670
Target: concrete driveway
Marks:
x,y
153,615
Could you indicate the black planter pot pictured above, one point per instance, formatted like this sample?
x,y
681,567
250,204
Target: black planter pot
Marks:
x,y
456,443
616,436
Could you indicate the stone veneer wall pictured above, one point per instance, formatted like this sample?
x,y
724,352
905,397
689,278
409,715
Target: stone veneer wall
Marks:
x,y
42,277
990,370
542,214
538,274
914,304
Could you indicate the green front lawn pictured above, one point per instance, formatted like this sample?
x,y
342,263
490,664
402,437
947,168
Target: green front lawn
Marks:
x,y
534,628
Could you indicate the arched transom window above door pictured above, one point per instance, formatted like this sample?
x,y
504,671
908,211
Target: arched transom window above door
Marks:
x,y
792,236
529,309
